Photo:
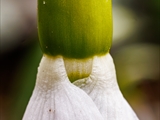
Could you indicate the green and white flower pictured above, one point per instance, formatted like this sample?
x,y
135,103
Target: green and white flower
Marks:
x,y
75,37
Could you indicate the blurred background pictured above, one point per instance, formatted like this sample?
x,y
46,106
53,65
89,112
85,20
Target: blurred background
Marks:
x,y
135,51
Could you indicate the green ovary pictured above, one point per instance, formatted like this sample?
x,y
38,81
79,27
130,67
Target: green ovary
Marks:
x,y
75,28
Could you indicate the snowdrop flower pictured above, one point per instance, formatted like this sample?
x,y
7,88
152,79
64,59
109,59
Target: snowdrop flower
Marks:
x,y
75,36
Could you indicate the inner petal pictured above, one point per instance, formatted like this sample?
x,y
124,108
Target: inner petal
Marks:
x,y
78,68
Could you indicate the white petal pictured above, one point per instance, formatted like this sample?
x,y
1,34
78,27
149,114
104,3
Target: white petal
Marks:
x,y
55,98
78,68
102,87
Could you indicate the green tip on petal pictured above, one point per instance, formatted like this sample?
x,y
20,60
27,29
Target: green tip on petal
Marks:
x,y
75,28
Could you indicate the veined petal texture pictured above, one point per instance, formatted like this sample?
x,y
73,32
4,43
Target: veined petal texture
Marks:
x,y
102,87
55,98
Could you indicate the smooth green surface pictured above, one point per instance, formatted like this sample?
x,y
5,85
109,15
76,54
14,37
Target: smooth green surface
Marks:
x,y
75,28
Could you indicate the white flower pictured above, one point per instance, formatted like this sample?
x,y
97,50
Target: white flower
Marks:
x,y
102,87
55,98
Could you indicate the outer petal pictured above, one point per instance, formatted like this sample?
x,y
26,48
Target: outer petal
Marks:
x,y
55,98
102,87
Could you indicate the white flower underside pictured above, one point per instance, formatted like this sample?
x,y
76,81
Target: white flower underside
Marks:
x,y
102,87
55,98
